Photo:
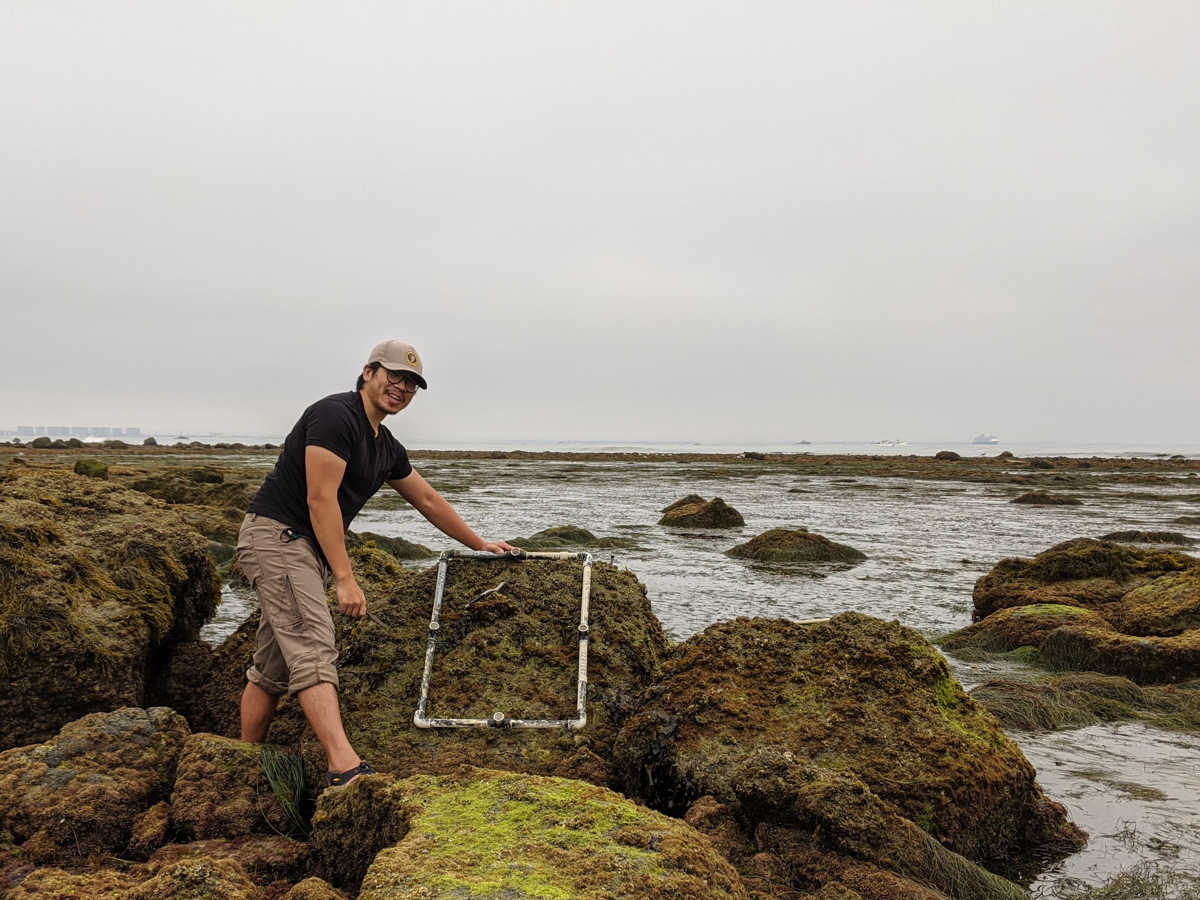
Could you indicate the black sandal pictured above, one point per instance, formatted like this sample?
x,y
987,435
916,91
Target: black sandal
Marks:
x,y
341,779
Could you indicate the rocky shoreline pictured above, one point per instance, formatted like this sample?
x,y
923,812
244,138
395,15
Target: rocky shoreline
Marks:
x,y
759,758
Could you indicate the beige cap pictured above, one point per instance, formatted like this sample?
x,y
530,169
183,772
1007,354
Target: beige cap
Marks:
x,y
399,357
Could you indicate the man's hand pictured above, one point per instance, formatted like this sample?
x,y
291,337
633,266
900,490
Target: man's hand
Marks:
x,y
497,547
351,600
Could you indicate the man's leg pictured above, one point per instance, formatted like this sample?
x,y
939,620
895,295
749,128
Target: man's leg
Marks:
x,y
258,708
320,705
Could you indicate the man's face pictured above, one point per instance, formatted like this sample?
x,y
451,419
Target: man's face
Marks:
x,y
379,389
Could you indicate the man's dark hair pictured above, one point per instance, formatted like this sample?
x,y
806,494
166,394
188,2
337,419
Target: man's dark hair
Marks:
x,y
374,368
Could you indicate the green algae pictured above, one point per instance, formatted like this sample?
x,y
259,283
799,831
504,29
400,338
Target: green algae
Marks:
x,y
488,834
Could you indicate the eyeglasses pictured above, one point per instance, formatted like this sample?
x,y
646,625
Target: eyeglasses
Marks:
x,y
410,383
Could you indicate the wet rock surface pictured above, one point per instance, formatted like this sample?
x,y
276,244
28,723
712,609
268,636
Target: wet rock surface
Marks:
x,y
779,545
752,712
570,537
695,512
97,583
1046,498
78,794
500,834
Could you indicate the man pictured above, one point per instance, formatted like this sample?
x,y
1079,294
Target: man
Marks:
x,y
335,459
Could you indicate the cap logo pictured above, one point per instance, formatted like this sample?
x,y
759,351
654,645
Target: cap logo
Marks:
x,y
412,358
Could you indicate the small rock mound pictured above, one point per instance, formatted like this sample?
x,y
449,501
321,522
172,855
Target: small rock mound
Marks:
x,y
492,834
699,513
947,455
1045,498
91,468
563,537
1040,464
779,545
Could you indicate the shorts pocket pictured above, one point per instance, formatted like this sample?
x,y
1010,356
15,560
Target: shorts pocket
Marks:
x,y
278,602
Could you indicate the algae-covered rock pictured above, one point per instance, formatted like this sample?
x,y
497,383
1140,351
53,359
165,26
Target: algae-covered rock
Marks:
x,y
97,583
855,696
715,513
820,825
1167,606
91,468
50,883
1045,498
266,859
1020,626
496,835
78,793
1081,572
396,546
222,791
513,651
314,889
947,456
780,545
570,537
1146,660
197,879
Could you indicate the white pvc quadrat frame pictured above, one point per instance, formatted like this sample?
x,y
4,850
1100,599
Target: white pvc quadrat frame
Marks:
x,y
501,719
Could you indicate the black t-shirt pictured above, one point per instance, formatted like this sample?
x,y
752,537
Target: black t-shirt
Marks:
x,y
339,424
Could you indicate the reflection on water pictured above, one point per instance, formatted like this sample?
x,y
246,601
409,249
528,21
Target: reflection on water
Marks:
x,y
927,543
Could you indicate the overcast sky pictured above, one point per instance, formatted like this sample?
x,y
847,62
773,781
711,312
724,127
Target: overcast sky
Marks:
x,y
715,221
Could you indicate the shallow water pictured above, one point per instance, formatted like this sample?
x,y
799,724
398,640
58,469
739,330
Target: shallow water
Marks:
x,y
927,543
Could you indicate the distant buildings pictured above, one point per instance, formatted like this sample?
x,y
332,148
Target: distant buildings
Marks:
x,y
32,431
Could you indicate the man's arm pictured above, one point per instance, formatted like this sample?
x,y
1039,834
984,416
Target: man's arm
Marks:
x,y
433,506
324,470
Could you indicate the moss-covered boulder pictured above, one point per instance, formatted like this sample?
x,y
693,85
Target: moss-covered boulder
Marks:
x,y
1081,572
856,698
91,468
1045,498
396,546
202,878
1020,626
268,860
781,545
570,537
816,829
715,513
492,834
51,883
514,650
223,790
314,889
97,583
1167,606
78,794
1146,660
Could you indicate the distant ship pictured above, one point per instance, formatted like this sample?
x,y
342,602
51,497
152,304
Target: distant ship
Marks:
x,y
803,442
986,439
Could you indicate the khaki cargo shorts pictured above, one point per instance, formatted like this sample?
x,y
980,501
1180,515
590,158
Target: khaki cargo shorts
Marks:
x,y
295,634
